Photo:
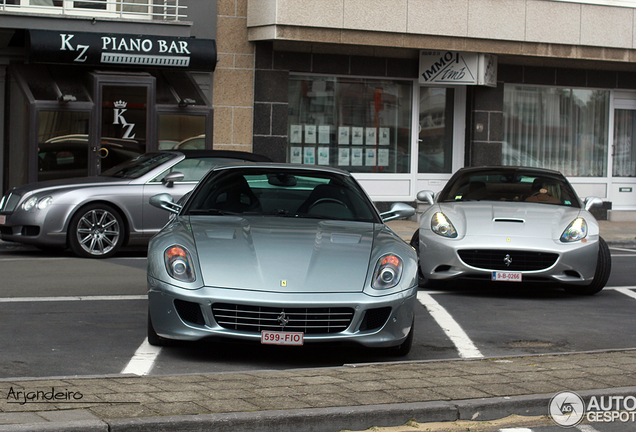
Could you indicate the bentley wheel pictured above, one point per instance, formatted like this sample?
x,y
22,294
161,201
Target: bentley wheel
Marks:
x,y
96,231
601,275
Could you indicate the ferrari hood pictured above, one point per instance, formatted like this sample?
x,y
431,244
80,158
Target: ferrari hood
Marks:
x,y
488,218
282,254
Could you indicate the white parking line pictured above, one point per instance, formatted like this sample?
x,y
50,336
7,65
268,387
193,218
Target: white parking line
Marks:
x,y
586,428
143,360
465,347
626,291
71,298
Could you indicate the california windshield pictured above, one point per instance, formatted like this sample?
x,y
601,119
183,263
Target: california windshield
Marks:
x,y
281,193
510,185
138,166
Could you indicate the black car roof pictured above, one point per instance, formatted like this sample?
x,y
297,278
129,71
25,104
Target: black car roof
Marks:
x,y
510,169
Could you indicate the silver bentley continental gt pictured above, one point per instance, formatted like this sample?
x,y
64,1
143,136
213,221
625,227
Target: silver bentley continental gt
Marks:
x,y
96,216
281,254
511,224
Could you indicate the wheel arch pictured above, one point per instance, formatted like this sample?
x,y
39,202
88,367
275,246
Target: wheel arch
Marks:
x,y
123,214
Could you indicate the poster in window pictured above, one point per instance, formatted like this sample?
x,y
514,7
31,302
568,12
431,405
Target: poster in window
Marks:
x,y
356,156
323,134
370,157
310,134
296,134
310,156
343,135
323,155
343,156
357,135
385,136
370,132
296,155
383,157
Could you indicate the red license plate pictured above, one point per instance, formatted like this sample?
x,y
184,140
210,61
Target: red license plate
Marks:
x,y
281,338
506,276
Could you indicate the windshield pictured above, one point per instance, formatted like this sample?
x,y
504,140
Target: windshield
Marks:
x,y
138,166
281,193
510,185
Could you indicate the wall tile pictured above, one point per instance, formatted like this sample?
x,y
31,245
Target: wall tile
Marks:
x,y
242,128
222,125
272,146
553,21
262,118
607,26
280,117
333,64
438,17
233,87
232,36
504,20
373,66
271,86
379,15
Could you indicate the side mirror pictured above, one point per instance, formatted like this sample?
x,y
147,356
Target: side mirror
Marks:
x,y
164,201
398,211
168,181
426,196
593,202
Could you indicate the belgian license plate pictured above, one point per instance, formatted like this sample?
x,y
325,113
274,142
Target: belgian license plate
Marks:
x,y
506,276
3,219
281,338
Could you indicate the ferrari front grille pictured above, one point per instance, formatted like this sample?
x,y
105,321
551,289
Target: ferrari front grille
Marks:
x,y
255,319
507,260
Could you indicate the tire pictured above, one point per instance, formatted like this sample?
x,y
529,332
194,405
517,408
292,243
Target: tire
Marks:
x,y
403,349
96,231
601,275
422,281
415,244
153,338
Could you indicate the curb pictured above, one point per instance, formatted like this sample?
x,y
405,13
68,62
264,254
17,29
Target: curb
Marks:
x,y
326,419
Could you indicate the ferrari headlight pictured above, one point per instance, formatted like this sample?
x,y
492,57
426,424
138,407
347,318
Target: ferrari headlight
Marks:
x,y
442,226
388,272
179,263
577,230
41,203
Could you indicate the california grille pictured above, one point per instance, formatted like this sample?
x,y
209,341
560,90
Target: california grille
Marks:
x,y
508,260
254,319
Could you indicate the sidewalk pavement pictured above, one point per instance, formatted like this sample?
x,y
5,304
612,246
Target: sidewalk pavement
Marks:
x,y
353,397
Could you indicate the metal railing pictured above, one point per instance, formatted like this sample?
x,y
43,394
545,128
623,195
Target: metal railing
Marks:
x,y
167,10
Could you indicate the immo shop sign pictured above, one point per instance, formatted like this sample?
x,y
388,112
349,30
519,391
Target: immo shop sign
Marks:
x,y
457,68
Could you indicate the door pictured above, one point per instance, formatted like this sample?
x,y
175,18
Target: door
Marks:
x,y
622,190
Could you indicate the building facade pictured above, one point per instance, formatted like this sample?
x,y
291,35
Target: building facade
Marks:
x,y
405,92
85,85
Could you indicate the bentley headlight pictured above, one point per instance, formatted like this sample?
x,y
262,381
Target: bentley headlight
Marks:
x,y
388,272
30,203
179,263
442,226
577,230
44,202
41,203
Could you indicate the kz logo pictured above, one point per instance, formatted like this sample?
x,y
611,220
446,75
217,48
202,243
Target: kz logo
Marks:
x,y
120,109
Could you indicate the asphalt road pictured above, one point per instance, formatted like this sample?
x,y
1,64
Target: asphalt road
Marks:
x,y
64,316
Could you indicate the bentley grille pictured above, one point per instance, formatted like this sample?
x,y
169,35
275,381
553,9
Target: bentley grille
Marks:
x,y
507,260
254,319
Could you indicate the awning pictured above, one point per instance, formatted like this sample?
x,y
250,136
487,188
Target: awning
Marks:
x,y
124,50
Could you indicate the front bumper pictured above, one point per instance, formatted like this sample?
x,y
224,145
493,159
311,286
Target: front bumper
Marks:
x,y
440,260
171,322
36,227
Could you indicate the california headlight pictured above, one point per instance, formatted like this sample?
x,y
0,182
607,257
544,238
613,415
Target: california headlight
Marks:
x,y
41,204
388,272
179,263
442,226
577,230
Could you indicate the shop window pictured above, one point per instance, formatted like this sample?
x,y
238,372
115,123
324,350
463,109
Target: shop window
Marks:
x,y
624,157
181,131
361,125
63,148
557,128
435,137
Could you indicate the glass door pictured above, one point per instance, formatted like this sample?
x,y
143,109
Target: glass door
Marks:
x,y
623,181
